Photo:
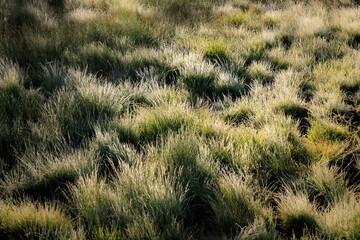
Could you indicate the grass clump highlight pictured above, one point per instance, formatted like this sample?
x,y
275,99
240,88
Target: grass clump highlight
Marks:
x,y
297,214
30,221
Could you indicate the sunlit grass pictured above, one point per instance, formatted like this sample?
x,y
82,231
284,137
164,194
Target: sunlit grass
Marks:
x,y
203,119
29,220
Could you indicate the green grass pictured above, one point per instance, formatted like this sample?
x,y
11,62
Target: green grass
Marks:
x,y
327,186
202,119
238,198
42,176
215,51
297,214
34,221
20,107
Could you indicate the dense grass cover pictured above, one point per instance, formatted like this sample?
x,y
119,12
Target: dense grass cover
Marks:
x,y
202,119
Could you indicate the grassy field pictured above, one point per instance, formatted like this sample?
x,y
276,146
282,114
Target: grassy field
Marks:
x,y
176,119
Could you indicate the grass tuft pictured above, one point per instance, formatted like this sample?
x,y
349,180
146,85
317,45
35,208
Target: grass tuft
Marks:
x,y
297,214
327,187
29,221
238,198
215,51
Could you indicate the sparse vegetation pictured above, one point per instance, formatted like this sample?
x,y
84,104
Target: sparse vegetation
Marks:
x,y
202,119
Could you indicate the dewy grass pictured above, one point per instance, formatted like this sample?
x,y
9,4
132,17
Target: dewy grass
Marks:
x,y
155,197
192,162
297,213
154,119
154,124
96,205
49,178
77,112
215,51
29,220
19,108
111,153
326,185
340,221
237,196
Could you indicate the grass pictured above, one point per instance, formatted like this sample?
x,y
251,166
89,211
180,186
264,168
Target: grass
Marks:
x,y
332,220
28,220
20,107
203,119
237,198
48,178
327,186
215,51
297,214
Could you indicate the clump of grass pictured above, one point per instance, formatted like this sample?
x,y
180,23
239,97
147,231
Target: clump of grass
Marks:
x,y
326,185
259,229
273,163
100,60
260,71
143,227
32,49
226,153
184,156
277,58
52,78
29,15
215,51
102,5
111,153
252,50
17,102
298,112
294,110
348,164
237,206
206,80
97,206
29,221
76,113
135,205
272,20
156,201
199,77
126,133
307,90
238,114
19,108
241,17
287,40
327,140
297,214
329,33
200,85
276,153
354,40
341,221
325,130
152,124
324,51
145,61
44,176
230,85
